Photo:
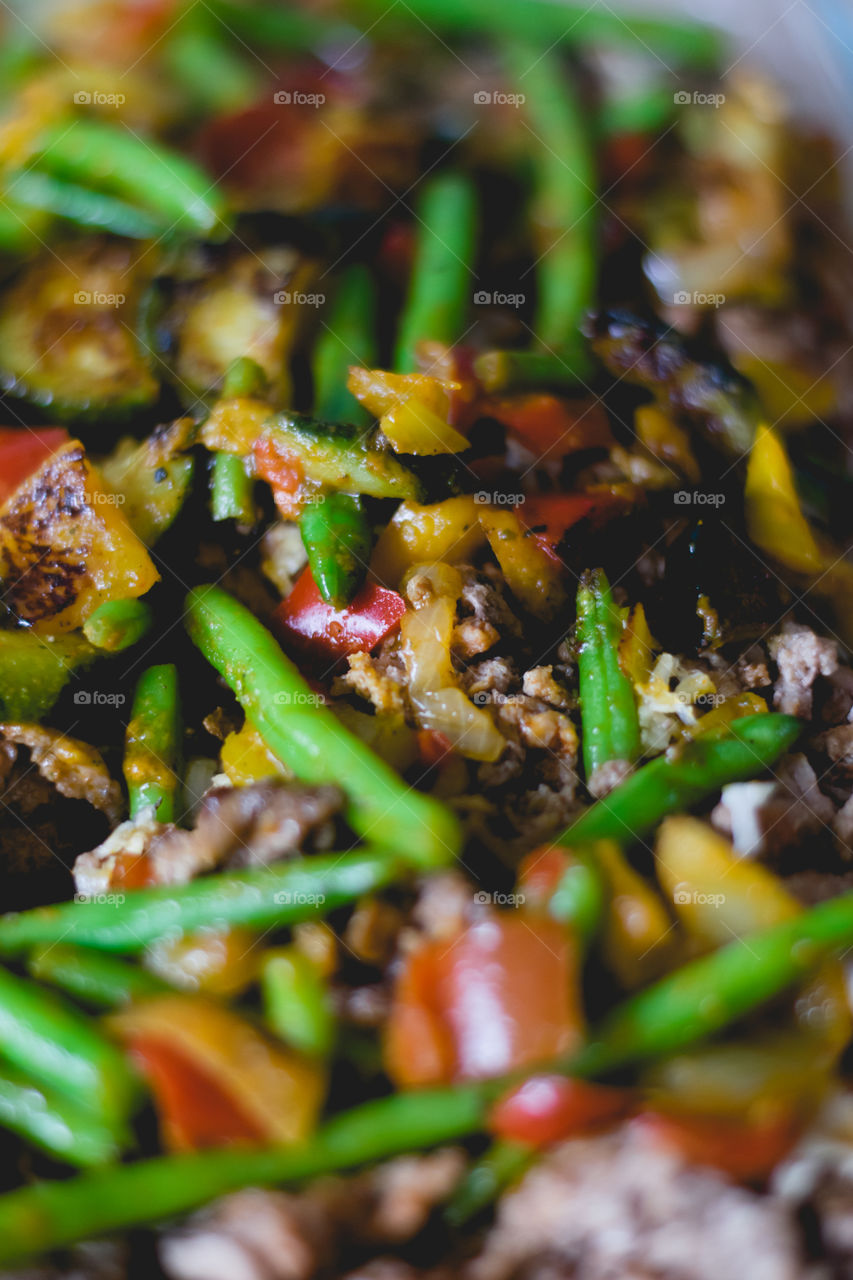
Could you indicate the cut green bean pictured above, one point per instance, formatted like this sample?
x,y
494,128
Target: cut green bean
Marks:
x,y
580,897
41,192
564,198
310,739
54,1124
610,726
112,158
92,977
348,338
296,1002
244,377
208,65
525,370
281,895
440,287
61,1048
232,494
153,744
338,539
672,785
117,624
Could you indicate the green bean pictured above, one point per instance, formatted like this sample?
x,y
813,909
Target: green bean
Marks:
x,y
440,285
579,899
153,743
47,1215
41,192
347,339
671,785
562,369
117,624
610,726
563,203
112,158
59,1047
645,110
207,64
547,24
338,538
296,1002
231,490
94,978
54,1124
274,26
309,737
502,1164
281,895
698,1001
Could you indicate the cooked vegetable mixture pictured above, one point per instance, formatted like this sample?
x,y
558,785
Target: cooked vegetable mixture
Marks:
x,y
426,692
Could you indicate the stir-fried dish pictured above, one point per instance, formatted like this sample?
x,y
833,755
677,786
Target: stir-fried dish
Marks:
x,y
426,702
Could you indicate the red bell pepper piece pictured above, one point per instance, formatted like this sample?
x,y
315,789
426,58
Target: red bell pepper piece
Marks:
x,y
548,425
195,1110
551,1108
745,1150
23,450
308,623
500,995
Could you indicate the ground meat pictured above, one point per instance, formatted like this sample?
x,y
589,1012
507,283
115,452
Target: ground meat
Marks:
x,y
405,1191
816,1183
76,770
539,682
442,905
751,668
769,817
473,636
481,600
614,1206
812,887
253,1235
235,827
385,691
491,676
801,656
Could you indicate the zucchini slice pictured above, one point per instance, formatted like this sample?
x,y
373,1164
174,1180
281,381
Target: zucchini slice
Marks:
x,y
67,341
153,477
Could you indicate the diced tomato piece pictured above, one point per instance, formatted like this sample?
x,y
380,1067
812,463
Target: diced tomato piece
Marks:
x,y
500,995
746,1151
195,1111
552,1108
283,473
308,623
23,450
549,426
433,747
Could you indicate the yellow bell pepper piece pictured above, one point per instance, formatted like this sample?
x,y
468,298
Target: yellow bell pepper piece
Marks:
x,y
721,716
530,573
774,518
379,390
666,440
449,531
637,647
246,758
792,397
638,938
412,427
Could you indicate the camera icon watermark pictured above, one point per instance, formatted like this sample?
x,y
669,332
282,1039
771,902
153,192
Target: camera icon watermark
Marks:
x,y
295,98
484,98
499,899
484,298
685,98
284,298
100,899
287,899
98,698
83,98
298,699
692,897
698,299
85,298
498,498
686,498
